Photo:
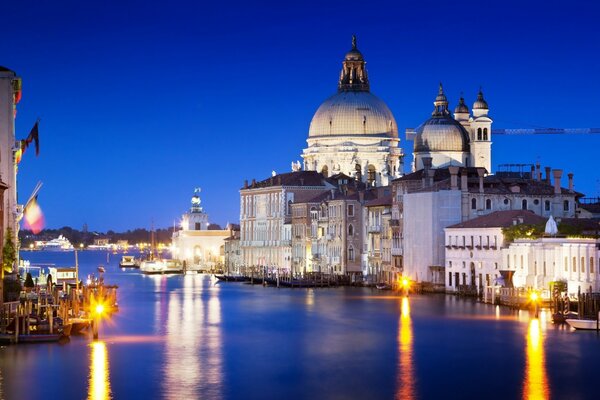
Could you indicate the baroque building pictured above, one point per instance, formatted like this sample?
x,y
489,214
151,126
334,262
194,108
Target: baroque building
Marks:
x,y
353,132
463,140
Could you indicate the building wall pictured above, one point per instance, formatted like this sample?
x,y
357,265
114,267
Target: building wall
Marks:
x,y
426,214
538,262
200,248
7,144
473,255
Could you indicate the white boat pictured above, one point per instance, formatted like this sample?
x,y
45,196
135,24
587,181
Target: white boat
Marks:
x,y
128,262
160,267
583,324
61,243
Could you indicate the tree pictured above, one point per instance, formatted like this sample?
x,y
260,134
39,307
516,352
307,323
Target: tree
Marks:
x,y
9,253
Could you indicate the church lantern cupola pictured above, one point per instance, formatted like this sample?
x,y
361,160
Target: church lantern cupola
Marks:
x,y
354,74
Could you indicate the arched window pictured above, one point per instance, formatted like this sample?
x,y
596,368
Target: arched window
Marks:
x,y
325,171
488,204
474,204
351,253
289,207
371,175
524,204
485,134
350,230
478,133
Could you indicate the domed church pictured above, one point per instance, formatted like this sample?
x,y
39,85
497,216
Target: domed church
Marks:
x,y
462,140
354,132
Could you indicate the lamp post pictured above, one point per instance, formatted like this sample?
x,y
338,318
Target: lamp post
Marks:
x,y
535,300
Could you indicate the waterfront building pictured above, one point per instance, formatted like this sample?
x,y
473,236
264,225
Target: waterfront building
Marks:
x,y
429,200
378,213
266,216
354,132
10,95
197,245
233,253
479,253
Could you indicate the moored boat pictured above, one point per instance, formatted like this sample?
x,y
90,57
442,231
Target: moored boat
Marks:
x,y
78,325
583,324
128,262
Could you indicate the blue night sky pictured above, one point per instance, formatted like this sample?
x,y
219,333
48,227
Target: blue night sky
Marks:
x,y
142,101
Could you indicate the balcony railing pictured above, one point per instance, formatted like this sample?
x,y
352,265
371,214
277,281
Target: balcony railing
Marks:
x,y
375,228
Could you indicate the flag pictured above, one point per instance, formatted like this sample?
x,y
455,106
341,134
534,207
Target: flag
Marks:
x,y
24,144
34,218
33,137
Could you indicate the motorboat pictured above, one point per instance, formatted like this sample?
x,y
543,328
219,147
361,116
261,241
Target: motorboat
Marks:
x,y
583,324
128,262
79,324
161,267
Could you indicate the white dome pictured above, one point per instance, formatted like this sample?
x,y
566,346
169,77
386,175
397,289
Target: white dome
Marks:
x,y
353,113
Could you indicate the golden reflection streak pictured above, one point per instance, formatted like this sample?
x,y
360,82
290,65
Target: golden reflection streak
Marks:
x,y
535,385
99,386
406,380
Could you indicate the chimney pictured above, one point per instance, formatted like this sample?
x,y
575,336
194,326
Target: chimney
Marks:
x,y
246,184
570,175
464,183
453,177
253,182
427,176
532,175
538,172
557,175
480,172
548,175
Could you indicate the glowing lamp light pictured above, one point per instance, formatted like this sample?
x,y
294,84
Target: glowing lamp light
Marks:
x,y
405,282
534,296
31,245
99,309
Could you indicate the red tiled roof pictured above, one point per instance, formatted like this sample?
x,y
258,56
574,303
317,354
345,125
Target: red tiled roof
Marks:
x,y
503,219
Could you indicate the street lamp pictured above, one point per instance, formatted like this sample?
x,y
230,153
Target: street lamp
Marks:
x,y
535,300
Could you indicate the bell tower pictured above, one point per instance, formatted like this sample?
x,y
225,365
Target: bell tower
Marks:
x,y
481,134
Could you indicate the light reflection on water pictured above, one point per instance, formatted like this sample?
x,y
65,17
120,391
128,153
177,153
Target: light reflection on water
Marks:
x,y
99,384
193,342
535,386
406,379
185,337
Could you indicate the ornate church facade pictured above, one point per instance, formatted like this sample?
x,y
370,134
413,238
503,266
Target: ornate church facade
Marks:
x,y
354,132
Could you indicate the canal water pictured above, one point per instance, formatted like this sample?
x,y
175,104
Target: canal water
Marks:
x,y
190,337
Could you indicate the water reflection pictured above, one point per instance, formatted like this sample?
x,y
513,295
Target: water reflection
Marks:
x,y
406,378
535,385
99,385
193,355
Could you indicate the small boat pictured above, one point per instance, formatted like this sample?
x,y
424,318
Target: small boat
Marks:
x,y
232,278
40,338
66,329
583,324
128,262
161,267
383,286
78,325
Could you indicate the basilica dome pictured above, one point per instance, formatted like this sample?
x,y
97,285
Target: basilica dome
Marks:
x,y
353,113
441,132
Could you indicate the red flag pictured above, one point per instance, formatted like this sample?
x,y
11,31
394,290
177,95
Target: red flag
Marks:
x,y
34,218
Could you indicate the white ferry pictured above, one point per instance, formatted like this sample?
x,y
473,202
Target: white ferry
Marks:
x,y
61,243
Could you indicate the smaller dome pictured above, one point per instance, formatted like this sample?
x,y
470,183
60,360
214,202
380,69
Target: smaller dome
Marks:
x,y
461,107
480,103
441,133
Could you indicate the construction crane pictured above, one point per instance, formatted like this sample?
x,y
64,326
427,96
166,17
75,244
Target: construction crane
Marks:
x,y
545,131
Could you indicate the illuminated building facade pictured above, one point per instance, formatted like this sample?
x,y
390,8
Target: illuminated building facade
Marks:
x,y
197,244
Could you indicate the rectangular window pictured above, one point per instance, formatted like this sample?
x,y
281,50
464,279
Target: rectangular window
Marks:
x,y
350,210
449,278
566,205
547,205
